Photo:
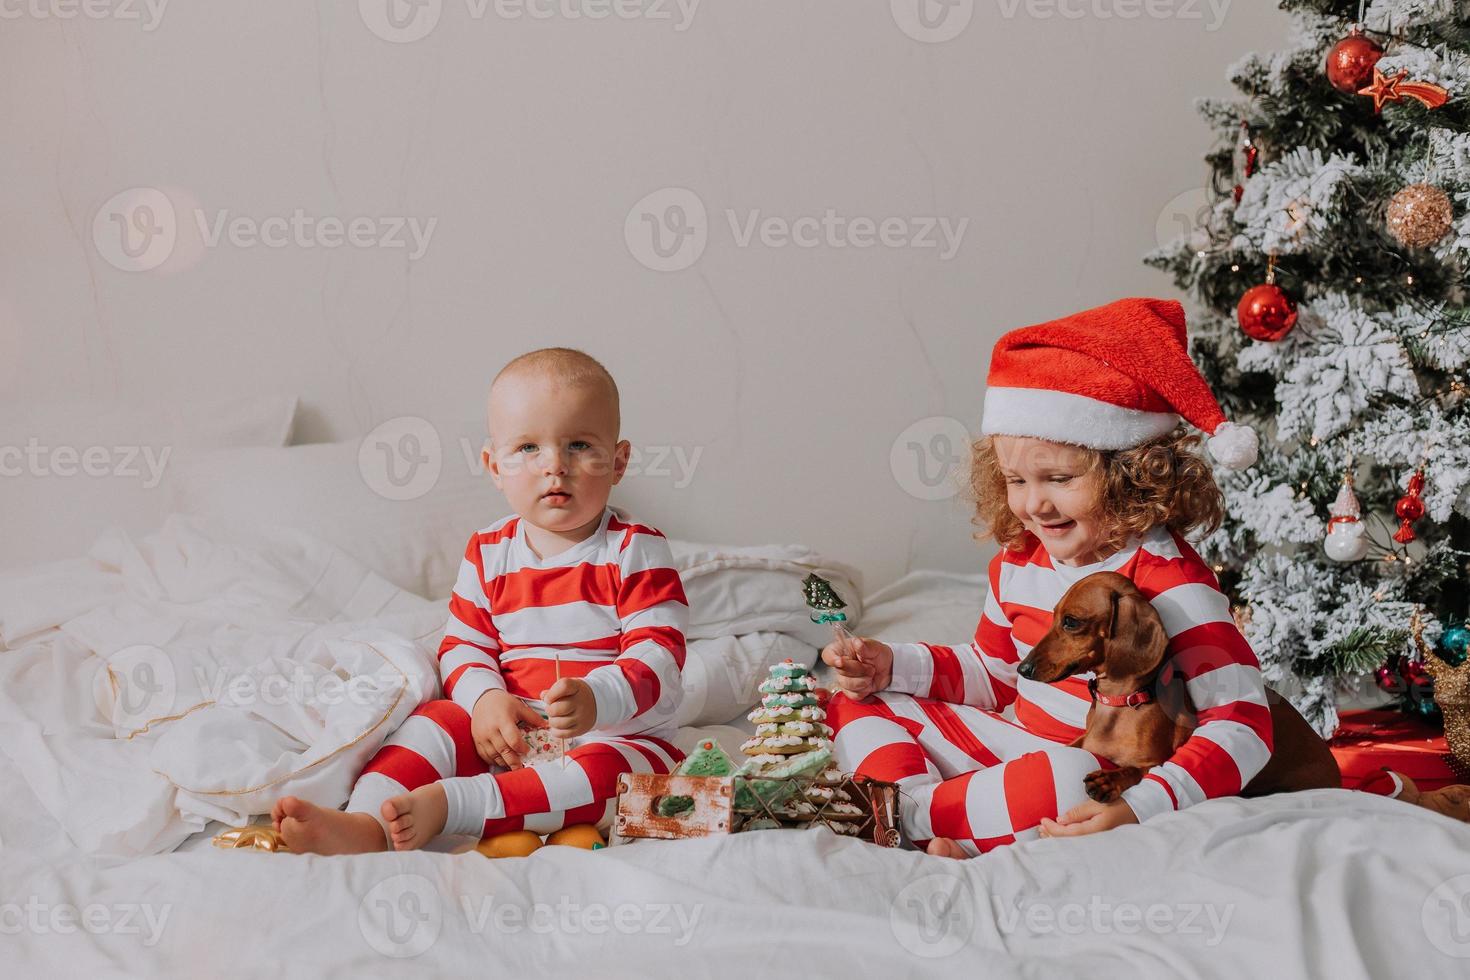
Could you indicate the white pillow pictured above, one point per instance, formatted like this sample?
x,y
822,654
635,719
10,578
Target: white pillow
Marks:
x,y
70,471
415,543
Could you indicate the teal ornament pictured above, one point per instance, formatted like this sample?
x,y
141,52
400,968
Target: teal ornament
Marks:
x,y
1426,708
1452,645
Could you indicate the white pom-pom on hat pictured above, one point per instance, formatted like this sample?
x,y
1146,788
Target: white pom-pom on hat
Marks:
x,y
1234,446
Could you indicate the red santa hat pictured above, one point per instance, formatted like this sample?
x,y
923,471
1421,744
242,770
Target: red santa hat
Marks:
x,y
1113,377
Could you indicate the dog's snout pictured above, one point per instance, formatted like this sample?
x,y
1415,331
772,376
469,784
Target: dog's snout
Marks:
x,y
1027,669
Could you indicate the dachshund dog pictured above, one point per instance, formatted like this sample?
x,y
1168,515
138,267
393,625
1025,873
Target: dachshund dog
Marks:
x,y
1105,625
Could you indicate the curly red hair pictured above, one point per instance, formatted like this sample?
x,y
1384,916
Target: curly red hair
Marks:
x,y
1162,481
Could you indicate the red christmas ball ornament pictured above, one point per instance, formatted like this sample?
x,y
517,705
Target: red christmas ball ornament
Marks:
x,y
1388,680
1414,673
1409,508
1265,312
1351,60
1420,686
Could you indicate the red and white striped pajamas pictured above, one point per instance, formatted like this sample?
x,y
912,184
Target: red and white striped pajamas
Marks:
x,y
612,610
971,775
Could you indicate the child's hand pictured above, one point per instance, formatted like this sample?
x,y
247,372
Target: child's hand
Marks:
x,y
570,707
495,725
863,666
1089,818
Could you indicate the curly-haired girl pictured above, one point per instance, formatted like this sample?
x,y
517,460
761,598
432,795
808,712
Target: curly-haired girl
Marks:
x,y
1083,467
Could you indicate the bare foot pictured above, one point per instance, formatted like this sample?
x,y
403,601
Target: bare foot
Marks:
x,y
1453,801
416,817
944,847
311,829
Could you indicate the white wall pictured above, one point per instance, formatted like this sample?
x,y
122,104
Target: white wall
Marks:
x,y
792,371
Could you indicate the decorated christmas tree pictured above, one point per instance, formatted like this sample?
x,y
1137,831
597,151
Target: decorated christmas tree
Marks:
x,y
1329,280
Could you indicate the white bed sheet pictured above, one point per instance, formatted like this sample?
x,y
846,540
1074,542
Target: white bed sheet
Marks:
x,y
1328,883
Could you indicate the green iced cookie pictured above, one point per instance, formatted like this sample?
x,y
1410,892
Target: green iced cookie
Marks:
x,y
708,759
751,792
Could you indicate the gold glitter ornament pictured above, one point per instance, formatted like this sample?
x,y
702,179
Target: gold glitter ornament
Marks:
x,y
1452,694
1420,215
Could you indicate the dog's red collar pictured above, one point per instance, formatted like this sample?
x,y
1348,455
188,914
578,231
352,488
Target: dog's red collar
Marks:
x,y
1118,700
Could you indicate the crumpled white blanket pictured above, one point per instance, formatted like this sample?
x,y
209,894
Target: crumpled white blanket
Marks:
x,y
204,671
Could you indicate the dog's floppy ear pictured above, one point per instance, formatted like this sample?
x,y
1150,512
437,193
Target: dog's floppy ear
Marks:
x,y
1136,641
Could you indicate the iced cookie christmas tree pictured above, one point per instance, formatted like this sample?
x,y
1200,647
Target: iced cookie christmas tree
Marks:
x,y
793,740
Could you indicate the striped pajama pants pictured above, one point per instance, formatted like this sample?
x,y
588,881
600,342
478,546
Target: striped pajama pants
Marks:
x,y
435,743
963,772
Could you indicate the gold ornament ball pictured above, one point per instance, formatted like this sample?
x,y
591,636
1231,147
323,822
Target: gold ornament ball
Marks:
x,y
1420,215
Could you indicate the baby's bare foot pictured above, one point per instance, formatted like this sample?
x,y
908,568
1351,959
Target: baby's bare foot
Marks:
x,y
944,847
310,829
416,817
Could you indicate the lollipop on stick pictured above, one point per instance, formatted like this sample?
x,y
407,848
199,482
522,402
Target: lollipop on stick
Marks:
x,y
827,607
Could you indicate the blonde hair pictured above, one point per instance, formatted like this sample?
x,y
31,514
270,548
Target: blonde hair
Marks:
x,y
1161,481
569,367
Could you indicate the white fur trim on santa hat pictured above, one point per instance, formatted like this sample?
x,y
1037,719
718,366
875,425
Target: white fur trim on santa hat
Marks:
x,y
1060,416
1234,446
